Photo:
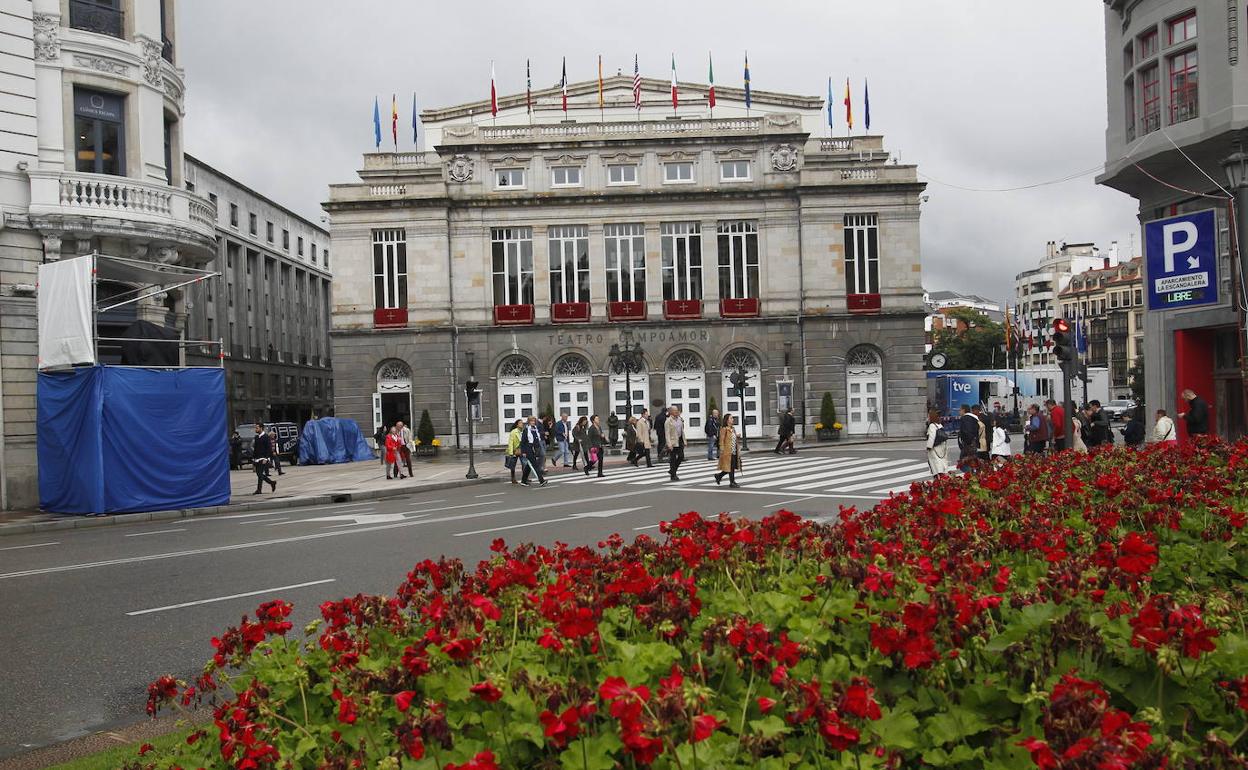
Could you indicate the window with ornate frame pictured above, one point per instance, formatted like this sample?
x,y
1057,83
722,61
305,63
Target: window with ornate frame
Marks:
x,y
569,263
626,262
682,260
512,257
738,260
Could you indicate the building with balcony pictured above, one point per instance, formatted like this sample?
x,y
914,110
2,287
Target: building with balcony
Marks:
x,y
519,249
940,303
1108,303
1169,131
1036,293
270,307
90,160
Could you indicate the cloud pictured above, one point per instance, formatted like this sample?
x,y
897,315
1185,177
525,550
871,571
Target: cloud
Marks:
x,y
978,93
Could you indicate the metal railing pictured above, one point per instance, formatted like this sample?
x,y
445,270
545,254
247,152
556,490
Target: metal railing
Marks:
x,y
92,17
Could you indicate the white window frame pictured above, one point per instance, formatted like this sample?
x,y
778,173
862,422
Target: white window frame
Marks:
x,y
625,241
622,167
510,173
517,265
390,268
735,166
680,264
864,252
736,259
568,172
567,244
668,167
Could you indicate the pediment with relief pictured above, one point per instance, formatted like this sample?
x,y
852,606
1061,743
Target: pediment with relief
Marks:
x,y
510,160
566,159
678,155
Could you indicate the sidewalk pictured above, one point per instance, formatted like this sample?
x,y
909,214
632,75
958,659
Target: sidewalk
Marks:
x,y
299,486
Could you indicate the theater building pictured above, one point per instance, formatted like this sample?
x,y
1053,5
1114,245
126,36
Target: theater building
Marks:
x,y
520,249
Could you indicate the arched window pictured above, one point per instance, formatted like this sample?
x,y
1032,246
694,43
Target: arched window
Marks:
x,y
517,392
864,386
863,355
741,359
572,365
748,409
684,361
573,386
393,375
685,386
515,366
393,400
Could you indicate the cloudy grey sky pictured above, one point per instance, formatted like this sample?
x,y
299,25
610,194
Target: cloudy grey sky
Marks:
x,y
979,93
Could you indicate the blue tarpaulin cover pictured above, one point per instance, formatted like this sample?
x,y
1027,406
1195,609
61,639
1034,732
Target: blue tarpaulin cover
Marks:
x,y
119,439
331,440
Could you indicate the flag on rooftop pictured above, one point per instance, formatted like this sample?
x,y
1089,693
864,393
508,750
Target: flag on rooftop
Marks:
x,y
563,83
866,104
377,122
528,87
394,119
675,98
636,83
849,107
601,102
493,92
747,80
710,76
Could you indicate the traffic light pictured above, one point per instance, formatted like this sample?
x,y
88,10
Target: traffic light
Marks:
x,y
1063,342
470,390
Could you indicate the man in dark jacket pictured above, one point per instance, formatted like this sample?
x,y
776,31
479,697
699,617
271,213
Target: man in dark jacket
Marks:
x,y
236,452
532,450
261,455
1197,414
711,429
788,426
968,438
659,419
1100,425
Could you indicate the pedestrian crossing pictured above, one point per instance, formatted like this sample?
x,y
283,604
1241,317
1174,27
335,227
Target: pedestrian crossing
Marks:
x,y
812,475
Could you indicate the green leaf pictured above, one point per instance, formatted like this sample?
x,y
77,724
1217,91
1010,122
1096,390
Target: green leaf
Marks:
x,y
954,725
897,729
769,726
1022,625
595,754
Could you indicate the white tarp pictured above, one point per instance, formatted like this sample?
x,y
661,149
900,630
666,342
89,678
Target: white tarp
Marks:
x,y
66,336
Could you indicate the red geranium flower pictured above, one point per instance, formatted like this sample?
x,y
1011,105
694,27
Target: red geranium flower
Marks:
x,y
703,726
486,691
1136,555
403,700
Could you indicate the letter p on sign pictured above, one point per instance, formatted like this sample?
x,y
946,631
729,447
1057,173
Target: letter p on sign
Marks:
x,y
1171,243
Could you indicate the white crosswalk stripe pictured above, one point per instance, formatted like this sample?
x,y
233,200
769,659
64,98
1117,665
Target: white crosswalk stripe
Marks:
x,y
818,475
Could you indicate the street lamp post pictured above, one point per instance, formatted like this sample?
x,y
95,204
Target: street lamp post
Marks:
x,y
739,379
1236,165
626,355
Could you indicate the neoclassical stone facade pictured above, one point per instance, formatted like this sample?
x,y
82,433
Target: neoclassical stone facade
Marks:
x,y
518,251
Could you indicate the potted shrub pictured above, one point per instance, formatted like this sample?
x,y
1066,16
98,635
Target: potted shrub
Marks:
x,y
828,429
426,442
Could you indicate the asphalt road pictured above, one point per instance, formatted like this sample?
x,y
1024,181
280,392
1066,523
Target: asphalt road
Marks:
x,y
89,617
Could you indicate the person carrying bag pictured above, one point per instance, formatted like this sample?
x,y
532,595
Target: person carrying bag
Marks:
x,y
729,452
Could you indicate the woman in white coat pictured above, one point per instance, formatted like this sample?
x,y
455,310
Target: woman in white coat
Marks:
x,y
1000,446
937,454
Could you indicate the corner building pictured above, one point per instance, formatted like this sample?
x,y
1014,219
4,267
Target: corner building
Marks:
x,y
519,250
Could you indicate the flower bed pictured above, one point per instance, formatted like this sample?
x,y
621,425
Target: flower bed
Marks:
x,y
1054,613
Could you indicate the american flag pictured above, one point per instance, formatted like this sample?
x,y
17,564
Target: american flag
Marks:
x,y
636,84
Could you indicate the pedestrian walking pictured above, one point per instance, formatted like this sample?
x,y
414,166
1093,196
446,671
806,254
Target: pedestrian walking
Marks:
x,y
985,436
580,441
261,453
379,438
630,436
645,440
613,428
674,428
406,444
788,427
236,452
597,447
968,438
1057,421
1197,414
277,448
1035,434
712,435
394,445
563,435
532,452
1164,430
1133,433
1100,425
729,453
659,419
1001,450
512,457
1078,430
937,444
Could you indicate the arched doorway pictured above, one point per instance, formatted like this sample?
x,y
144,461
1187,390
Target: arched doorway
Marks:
x,y
864,387
393,399
748,417
638,381
517,393
685,387
574,387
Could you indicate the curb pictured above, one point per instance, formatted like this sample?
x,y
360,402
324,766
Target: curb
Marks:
x,y
328,498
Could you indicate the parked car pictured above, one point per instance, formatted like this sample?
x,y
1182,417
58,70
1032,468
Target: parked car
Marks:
x,y
287,440
1120,409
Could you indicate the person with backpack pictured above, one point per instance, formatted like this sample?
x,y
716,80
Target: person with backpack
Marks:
x,y
969,429
937,444
1001,450
1036,432
1133,434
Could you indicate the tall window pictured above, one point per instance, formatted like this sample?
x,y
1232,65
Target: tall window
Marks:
x,y
251,224
233,215
1146,44
626,262
513,265
268,231
1150,100
100,16
862,253
99,132
299,243
1183,81
1128,102
569,263
1182,29
168,135
738,260
682,260
389,269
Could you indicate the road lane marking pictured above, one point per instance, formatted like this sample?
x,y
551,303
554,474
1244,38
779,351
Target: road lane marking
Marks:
x,y
493,494
36,545
648,526
231,596
265,522
786,502
572,517
157,532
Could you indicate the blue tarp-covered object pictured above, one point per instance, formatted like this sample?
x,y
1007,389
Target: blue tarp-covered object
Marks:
x,y
119,439
331,440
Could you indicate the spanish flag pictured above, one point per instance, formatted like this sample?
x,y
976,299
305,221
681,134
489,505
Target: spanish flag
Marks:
x,y
849,107
394,119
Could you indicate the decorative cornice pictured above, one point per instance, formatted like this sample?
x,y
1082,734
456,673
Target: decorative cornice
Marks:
x,y
102,64
510,160
152,61
47,31
566,159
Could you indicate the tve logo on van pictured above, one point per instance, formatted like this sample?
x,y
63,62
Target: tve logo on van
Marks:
x,y
961,386
1181,260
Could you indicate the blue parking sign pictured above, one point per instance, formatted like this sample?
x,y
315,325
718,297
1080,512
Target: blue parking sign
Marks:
x,y
1181,260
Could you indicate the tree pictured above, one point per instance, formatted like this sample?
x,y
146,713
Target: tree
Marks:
x,y
827,412
970,340
425,431
1135,378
